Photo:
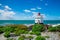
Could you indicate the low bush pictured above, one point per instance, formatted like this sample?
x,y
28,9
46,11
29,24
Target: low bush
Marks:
x,y
17,33
30,37
21,38
53,29
36,33
38,28
1,30
40,38
7,34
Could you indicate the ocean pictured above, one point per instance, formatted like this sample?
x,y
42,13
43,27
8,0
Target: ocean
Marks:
x,y
27,22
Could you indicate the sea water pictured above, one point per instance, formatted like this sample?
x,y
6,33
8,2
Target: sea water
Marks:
x,y
28,22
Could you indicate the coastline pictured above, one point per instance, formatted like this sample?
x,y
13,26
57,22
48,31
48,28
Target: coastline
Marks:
x,y
53,25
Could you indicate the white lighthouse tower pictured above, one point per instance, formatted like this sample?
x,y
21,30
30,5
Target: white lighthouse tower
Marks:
x,y
39,19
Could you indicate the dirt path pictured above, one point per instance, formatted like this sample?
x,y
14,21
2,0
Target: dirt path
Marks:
x,y
52,35
2,37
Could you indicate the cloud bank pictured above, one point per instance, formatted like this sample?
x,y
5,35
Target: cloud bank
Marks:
x,y
6,13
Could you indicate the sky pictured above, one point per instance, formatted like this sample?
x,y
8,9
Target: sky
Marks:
x,y
26,9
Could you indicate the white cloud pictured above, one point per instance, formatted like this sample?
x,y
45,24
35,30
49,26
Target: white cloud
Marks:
x,y
59,17
46,4
27,10
34,14
0,4
44,16
39,8
6,13
7,7
33,8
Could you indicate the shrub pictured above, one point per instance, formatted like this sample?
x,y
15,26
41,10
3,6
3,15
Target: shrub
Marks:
x,y
40,38
26,32
30,37
17,33
1,30
58,28
53,29
7,29
36,33
7,34
31,33
38,28
22,27
21,38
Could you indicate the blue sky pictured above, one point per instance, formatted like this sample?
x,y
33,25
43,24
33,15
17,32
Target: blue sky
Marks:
x,y
26,9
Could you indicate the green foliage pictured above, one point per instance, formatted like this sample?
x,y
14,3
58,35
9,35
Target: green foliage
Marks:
x,y
17,33
53,29
36,33
38,27
1,30
31,33
58,28
21,38
7,34
10,29
40,38
30,37
22,27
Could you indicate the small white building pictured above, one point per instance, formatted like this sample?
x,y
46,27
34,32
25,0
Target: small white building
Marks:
x,y
39,18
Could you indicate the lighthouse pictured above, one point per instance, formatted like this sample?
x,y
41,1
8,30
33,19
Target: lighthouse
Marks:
x,y
39,19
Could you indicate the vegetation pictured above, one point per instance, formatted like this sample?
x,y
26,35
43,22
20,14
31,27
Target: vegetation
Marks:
x,y
38,28
1,29
40,38
7,34
21,38
30,37
10,39
17,33
54,29
35,33
22,29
